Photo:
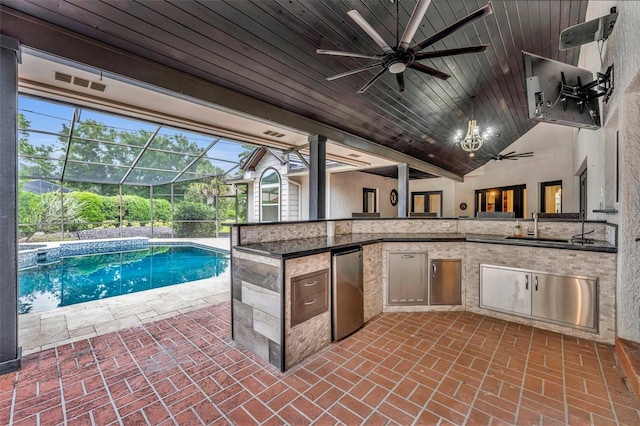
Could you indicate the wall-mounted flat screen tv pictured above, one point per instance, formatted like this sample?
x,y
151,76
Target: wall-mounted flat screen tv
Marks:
x,y
552,94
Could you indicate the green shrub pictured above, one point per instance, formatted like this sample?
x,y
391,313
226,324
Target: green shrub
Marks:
x,y
135,208
111,208
28,212
161,209
91,210
187,211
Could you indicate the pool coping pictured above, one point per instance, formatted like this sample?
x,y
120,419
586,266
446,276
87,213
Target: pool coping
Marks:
x,y
53,251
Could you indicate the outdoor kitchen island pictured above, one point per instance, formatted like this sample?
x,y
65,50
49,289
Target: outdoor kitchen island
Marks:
x,y
281,276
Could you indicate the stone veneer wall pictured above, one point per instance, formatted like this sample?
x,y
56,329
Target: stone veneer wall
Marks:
x,y
545,229
372,280
343,227
403,226
256,291
281,232
549,229
556,261
312,335
434,250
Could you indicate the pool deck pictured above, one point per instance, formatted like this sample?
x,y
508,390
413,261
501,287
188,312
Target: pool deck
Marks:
x,y
47,329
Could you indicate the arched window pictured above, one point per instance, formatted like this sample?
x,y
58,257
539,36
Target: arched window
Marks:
x,y
270,196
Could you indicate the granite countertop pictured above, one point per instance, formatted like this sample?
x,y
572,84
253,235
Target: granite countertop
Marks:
x,y
309,246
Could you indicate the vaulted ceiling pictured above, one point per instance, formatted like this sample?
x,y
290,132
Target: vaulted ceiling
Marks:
x,y
266,49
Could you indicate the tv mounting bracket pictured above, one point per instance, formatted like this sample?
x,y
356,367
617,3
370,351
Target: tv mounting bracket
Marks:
x,y
601,86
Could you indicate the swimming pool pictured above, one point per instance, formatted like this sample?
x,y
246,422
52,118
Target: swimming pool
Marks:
x,y
79,279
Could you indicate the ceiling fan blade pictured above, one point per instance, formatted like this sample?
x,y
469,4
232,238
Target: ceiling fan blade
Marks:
x,y
348,54
413,24
355,71
400,80
480,13
451,52
362,23
428,70
373,80
508,154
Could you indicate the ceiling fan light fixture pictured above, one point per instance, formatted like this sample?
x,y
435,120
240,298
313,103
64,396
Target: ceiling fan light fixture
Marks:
x,y
398,58
397,67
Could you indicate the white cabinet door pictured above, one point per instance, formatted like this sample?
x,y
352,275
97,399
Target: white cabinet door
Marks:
x,y
505,289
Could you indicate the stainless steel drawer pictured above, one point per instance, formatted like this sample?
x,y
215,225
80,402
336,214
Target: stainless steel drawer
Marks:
x,y
308,284
309,296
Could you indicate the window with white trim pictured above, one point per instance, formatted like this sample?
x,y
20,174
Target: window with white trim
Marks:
x,y
270,196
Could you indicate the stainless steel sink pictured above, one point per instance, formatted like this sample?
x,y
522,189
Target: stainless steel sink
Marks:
x,y
543,240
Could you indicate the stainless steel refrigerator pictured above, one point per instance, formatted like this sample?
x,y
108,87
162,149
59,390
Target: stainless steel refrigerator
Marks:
x,y
347,294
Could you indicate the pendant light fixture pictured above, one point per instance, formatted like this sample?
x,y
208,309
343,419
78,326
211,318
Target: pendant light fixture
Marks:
x,y
473,140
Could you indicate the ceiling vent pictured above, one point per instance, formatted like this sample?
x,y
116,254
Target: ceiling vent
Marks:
x,y
78,81
98,86
354,155
273,134
66,78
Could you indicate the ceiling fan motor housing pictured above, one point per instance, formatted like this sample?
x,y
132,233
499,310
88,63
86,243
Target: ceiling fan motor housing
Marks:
x,y
398,60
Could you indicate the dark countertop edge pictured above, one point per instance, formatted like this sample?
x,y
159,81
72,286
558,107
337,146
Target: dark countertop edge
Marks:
x,y
445,238
467,219
545,244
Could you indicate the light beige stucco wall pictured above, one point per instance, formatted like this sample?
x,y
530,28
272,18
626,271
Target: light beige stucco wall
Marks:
x,y
346,193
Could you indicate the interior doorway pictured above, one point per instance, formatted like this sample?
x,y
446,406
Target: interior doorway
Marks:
x,y
368,200
551,197
427,202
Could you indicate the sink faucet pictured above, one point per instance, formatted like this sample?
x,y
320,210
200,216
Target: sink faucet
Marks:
x,y
535,225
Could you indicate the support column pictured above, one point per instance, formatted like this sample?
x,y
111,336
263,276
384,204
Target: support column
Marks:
x,y
317,176
403,190
628,280
10,352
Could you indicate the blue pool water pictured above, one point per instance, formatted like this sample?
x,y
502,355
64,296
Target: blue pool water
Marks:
x,y
83,278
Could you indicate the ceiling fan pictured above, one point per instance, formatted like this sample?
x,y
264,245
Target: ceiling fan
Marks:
x,y
511,156
397,59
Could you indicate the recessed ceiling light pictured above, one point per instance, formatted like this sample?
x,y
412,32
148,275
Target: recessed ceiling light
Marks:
x,y
430,155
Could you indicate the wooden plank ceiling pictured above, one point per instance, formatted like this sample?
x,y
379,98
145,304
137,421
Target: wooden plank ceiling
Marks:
x,y
266,49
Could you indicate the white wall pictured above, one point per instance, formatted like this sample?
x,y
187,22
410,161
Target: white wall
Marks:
x,y
269,161
552,147
303,181
346,194
553,159
621,114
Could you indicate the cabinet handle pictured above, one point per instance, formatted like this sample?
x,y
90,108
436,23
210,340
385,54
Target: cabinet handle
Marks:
x,y
407,256
435,269
310,303
526,282
536,283
311,284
